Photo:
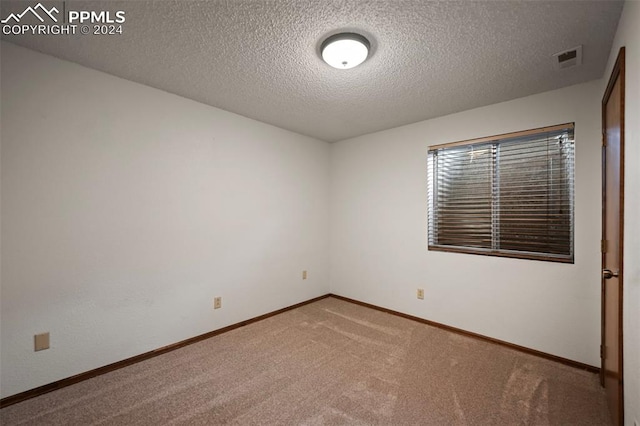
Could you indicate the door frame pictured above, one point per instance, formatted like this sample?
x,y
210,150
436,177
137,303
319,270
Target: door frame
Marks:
x,y
618,72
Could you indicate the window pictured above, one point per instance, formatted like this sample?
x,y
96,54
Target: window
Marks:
x,y
508,195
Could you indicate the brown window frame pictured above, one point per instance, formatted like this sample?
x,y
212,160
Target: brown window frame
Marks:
x,y
466,231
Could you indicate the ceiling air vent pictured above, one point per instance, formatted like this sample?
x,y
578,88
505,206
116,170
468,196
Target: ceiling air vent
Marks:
x,y
569,58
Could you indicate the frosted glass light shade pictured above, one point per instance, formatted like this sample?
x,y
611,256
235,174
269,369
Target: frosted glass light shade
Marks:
x,y
345,50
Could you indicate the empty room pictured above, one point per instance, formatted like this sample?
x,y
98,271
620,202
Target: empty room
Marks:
x,y
292,212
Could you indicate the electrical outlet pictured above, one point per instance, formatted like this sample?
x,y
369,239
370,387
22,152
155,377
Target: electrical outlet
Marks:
x,y
420,293
217,302
304,275
41,341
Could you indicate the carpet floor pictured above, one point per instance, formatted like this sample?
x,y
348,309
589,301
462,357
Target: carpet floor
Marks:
x,y
330,362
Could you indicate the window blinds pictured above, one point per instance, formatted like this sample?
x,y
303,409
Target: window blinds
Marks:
x,y
511,196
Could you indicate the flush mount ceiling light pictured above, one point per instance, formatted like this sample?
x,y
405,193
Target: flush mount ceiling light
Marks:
x,y
345,50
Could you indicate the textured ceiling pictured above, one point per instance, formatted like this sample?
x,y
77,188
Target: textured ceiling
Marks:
x,y
260,58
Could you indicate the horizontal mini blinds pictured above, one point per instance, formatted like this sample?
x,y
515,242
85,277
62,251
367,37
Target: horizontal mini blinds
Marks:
x,y
511,196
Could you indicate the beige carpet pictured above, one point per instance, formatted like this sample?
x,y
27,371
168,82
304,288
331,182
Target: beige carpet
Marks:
x,y
328,363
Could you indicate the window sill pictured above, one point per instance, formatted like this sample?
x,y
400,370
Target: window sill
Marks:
x,y
504,253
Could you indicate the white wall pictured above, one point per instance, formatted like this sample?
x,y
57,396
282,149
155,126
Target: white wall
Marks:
x,y
126,209
378,232
628,35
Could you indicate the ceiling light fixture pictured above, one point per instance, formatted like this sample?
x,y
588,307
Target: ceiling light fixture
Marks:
x,y
345,50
